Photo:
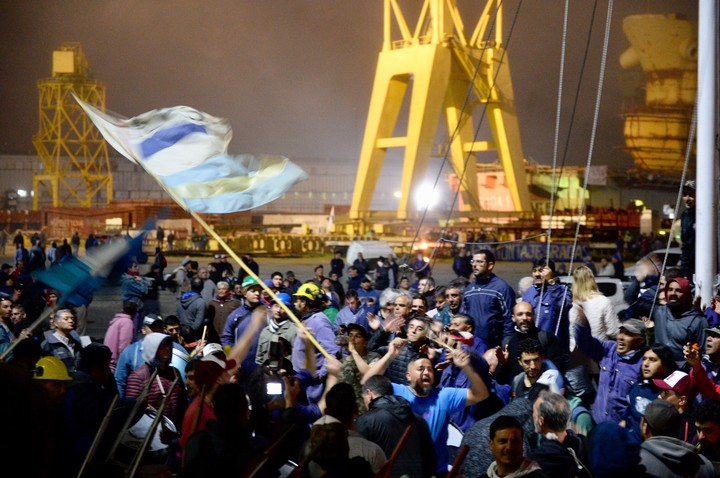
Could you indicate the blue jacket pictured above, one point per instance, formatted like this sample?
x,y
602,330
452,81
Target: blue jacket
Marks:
x,y
639,398
618,374
229,336
489,301
552,310
320,327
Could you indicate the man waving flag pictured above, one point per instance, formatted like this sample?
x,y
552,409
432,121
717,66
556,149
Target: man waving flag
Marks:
x,y
186,151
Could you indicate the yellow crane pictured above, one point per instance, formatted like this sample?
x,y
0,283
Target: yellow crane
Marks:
x,y
439,60
74,164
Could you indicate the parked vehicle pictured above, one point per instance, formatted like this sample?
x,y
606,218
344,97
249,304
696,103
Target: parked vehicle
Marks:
x,y
611,288
673,259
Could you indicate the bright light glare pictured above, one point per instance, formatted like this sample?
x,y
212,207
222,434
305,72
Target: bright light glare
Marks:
x,y
426,196
22,193
397,194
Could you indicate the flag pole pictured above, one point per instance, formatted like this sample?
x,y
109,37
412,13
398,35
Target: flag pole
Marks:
x,y
46,313
130,154
261,283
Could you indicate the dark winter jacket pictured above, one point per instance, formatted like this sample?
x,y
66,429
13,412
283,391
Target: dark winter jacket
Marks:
x,y
190,310
667,457
385,424
556,459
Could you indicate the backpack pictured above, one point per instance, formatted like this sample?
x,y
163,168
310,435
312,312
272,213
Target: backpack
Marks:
x,y
171,280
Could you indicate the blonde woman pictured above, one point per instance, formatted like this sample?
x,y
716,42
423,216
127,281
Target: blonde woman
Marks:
x,y
604,323
598,309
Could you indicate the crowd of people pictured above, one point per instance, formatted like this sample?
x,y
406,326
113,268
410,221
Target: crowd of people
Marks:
x,y
372,370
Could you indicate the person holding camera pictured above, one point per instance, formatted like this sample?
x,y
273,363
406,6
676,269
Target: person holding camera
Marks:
x,y
279,327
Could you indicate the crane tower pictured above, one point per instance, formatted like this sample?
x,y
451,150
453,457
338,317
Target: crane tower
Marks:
x,y
74,166
442,63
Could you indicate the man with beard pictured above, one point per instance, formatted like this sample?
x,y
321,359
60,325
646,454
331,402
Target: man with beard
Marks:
x,y
434,404
678,322
524,319
620,362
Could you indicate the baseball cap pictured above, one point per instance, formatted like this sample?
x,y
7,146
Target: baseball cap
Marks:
x,y
663,417
150,319
210,367
185,261
289,274
325,420
249,281
212,348
634,326
359,328
689,184
678,382
713,330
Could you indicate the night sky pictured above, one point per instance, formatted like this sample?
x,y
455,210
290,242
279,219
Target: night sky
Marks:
x,y
294,77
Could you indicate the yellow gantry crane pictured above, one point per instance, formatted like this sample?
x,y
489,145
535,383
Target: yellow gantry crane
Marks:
x,y
74,164
439,60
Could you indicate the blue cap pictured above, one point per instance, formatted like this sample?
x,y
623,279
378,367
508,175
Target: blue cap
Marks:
x,y
282,297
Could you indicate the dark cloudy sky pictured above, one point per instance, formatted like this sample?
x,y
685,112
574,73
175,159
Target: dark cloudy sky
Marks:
x,y
295,76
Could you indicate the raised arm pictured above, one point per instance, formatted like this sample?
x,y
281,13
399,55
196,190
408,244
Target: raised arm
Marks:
x,y
381,365
240,350
478,391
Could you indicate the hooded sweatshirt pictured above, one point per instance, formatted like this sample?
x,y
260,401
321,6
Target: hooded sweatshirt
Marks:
x,y
191,310
669,457
159,388
119,335
676,330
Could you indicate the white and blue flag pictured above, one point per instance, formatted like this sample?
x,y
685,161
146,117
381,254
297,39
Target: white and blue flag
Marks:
x,y
186,151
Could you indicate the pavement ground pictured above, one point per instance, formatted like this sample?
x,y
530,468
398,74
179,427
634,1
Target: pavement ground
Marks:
x,y
107,301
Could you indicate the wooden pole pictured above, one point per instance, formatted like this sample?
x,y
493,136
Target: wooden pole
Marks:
x,y
261,283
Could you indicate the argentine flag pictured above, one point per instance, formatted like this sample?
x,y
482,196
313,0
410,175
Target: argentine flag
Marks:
x,y
186,151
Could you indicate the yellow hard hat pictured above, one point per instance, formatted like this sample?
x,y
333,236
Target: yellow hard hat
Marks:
x,y
51,368
310,292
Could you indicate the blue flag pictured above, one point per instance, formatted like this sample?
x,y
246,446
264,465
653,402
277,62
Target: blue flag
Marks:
x,y
185,150
77,279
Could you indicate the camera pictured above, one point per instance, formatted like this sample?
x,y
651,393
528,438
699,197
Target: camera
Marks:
x,y
275,354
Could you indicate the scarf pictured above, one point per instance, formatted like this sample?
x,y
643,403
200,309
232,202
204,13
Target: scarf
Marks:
x,y
527,467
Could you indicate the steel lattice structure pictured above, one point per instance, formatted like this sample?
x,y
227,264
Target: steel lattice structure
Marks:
x,y
74,167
